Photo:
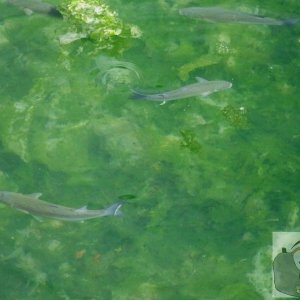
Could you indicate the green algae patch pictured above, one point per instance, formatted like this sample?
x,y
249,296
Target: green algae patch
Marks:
x,y
198,63
96,21
236,116
48,128
202,196
239,291
189,141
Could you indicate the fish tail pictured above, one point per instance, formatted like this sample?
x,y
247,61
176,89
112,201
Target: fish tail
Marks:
x,y
114,210
290,22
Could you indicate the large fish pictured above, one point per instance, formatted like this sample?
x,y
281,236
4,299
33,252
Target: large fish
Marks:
x,y
221,15
31,204
202,87
36,6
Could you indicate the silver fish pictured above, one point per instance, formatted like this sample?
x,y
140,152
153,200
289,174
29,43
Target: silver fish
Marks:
x,y
201,88
36,6
221,15
31,204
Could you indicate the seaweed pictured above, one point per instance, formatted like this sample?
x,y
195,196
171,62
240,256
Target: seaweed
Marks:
x,y
96,21
189,141
237,116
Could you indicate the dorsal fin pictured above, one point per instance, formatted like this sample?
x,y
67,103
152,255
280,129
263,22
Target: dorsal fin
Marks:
x,y
35,195
81,209
200,79
28,11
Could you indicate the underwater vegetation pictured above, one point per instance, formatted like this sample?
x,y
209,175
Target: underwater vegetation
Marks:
x,y
189,141
200,62
236,116
96,21
201,194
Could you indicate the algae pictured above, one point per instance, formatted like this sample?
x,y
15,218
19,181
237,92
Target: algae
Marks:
x,y
96,21
236,116
189,141
200,62
202,195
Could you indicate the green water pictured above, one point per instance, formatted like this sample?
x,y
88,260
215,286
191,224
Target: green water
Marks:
x,y
205,181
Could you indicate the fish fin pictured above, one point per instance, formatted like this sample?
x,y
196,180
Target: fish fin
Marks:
x,y
39,219
126,197
21,210
206,94
114,210
35,195
200,79
81,209
28,11
210,20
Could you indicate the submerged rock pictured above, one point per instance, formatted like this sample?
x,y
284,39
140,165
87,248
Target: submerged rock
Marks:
x,y
95,21
111,72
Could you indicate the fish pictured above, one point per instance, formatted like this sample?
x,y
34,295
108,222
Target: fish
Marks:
x,y
31,204
221,15
202,87
36,6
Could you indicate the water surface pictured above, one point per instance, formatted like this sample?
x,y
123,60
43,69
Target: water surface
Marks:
x,y
205,181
